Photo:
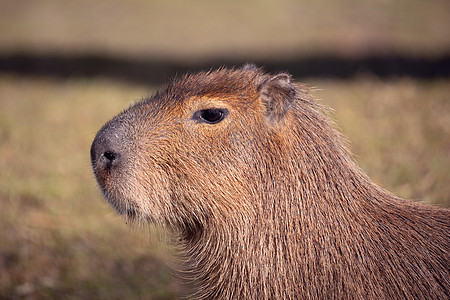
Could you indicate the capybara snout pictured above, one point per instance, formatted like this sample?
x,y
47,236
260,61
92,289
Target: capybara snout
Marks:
x,y
110,148
112,158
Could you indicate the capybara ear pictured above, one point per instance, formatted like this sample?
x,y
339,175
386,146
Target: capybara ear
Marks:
x,y
277,93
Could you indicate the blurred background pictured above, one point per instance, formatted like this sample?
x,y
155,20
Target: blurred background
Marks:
x,y
66,67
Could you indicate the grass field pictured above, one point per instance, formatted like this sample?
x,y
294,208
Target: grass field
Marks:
x,y
59,239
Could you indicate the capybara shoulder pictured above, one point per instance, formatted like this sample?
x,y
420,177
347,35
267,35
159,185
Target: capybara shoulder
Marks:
x,y
262,196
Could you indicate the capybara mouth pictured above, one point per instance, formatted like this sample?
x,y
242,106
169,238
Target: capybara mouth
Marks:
x,y
123,206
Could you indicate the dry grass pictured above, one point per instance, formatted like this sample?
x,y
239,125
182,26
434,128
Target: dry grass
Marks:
x,y
59,238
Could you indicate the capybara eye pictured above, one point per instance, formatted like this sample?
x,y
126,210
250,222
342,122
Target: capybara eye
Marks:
x,y
211,116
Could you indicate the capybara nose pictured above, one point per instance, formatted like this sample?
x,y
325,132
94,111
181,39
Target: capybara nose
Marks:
x,y
103,155
106,150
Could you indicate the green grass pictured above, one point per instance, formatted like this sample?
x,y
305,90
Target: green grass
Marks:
x,y
60,239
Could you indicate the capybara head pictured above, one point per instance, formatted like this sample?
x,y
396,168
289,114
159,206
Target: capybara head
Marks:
x,y
262,196
188,154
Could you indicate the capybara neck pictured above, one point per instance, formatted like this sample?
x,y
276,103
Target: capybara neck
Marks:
x,y
262,196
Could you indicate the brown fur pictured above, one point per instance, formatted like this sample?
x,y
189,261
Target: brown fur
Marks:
x,y
268,203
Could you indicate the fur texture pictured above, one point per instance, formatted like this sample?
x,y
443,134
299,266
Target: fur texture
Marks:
x,y
267,203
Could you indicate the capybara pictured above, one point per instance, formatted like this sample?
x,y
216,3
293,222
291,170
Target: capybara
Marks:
x,y
262,197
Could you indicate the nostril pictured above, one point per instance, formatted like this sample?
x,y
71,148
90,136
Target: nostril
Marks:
x,y
109,159
109,156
